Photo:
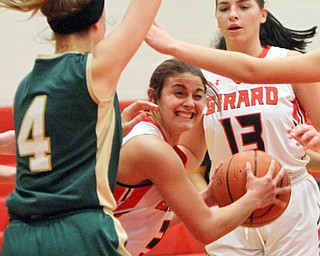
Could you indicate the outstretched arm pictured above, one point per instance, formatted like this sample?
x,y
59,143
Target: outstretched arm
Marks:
x,y
7,174
7,143
238,66
113,53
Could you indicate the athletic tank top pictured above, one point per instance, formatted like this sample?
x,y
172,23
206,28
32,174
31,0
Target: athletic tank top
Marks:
x,y
141,209
255,116
68,141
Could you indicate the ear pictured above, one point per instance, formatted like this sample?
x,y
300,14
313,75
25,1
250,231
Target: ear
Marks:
x,y
264,15
151,95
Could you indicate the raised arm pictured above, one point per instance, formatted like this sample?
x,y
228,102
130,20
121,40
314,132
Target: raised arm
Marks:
x,y
112,54
236,65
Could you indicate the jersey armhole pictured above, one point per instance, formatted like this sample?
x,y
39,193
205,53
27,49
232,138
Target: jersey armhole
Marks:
x,y
89,78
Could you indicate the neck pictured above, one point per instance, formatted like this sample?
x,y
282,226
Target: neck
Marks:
x,y
171,138
74,43
252,48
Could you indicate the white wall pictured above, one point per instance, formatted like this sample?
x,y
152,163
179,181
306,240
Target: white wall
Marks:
x,y
188,20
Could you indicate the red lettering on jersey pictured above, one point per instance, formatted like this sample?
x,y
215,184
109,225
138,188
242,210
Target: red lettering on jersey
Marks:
x,y
229,101
211,105
271,96
243,98
256,96
267,95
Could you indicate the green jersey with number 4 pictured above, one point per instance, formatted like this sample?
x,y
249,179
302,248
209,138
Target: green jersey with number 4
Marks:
x,y
68,141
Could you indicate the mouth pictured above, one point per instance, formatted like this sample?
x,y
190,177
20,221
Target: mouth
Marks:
x,y
234,27
187,115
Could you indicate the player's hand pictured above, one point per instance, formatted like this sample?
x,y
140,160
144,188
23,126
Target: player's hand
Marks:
x,y
135,113
159,39
265,188
7,143
208,194
306,135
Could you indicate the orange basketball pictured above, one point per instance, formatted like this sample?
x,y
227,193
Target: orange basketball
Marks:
x,y
230,184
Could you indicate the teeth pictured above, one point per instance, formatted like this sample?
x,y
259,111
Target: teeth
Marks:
x,y
185,115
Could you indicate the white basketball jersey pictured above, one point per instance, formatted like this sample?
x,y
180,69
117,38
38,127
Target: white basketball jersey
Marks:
x,y
255,116
141,209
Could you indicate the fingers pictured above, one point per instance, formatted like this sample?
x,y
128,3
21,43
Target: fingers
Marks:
x,y
306,136
279,175
128,125
140,105
271,169
280,191
136,108
248,170
216,170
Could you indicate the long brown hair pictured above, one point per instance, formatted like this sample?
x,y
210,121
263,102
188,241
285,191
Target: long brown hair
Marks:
x,y
52,9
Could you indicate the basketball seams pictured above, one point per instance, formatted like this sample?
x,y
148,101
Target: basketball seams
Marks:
x,y
230,184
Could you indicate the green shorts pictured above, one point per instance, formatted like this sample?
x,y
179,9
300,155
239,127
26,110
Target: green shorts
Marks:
x,y
86,233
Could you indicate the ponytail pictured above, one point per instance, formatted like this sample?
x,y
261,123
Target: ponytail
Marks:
x,y
22,5
273,33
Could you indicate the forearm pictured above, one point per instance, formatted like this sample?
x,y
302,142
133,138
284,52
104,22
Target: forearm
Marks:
x,y
228,218
7,174
7,143
236,66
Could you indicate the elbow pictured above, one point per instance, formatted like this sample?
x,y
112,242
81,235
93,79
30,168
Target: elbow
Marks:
x,y
207,235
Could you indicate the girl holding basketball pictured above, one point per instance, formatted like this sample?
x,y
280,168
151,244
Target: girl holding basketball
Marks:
x,y
257,117
68,129
152,180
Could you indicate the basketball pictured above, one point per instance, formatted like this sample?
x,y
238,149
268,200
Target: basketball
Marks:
x,y
230,184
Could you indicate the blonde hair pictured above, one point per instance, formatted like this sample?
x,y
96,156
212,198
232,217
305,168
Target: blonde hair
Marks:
x,y
52,9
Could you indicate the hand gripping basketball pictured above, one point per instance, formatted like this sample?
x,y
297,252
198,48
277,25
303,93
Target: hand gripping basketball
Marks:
x,y
230,183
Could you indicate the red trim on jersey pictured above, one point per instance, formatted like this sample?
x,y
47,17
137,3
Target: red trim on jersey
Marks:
x,y
127,198
180,153
298,113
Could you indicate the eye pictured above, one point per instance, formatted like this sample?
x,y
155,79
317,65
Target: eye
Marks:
x,y
198,96
244,7
179,93
223,9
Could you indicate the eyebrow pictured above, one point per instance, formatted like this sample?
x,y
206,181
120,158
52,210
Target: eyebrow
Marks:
x,y
239,1
185,87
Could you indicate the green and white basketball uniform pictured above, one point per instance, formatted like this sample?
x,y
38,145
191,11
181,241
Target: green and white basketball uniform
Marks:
x,y
68,145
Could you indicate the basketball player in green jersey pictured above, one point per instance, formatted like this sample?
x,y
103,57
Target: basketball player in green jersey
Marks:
x,y
68,129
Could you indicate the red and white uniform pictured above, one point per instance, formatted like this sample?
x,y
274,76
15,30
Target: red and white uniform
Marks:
x,y
141,209
257,116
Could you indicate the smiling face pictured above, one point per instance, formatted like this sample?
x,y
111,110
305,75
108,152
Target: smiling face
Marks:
x,y
239,21
181,103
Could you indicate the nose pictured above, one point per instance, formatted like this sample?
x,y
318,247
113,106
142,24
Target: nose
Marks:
x,y
233,14
189,102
